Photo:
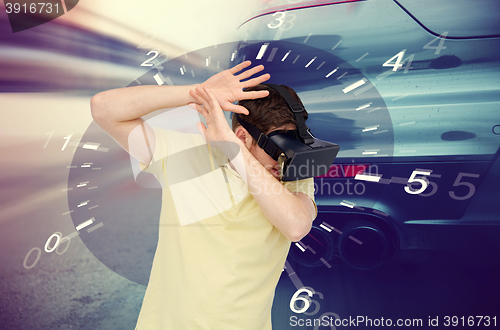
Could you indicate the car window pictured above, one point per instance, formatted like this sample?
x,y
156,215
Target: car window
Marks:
x,y
478,18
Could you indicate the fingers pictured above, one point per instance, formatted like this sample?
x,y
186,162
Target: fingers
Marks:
x,y
201,97
237,109
239,67
206,98
211,98
198,108
202,129
197,105
256,80
255,95
250,72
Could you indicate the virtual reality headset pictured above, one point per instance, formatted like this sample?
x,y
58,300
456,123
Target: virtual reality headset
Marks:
x,y
299,154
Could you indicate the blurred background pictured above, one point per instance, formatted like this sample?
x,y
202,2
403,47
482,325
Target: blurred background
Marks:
x,y
48,73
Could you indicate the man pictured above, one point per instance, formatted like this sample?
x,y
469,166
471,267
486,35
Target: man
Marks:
x,y
227,221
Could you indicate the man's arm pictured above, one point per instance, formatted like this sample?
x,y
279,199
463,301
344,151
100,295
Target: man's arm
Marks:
x,y
291,213
119,111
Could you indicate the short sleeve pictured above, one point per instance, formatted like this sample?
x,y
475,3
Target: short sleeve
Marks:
x,y
157,153
305,186
168,142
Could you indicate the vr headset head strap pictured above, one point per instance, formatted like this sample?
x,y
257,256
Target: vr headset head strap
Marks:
x,y
297,110
262,139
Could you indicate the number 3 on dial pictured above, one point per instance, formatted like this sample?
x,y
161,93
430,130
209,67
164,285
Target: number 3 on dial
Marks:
x,y
283,18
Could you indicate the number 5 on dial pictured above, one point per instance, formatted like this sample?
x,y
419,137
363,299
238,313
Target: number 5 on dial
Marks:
x,y
459,182
422,180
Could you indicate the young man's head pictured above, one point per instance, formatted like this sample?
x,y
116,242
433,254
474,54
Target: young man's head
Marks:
x,y
268,114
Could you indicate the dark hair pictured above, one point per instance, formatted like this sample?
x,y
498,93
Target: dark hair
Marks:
x,y
269,112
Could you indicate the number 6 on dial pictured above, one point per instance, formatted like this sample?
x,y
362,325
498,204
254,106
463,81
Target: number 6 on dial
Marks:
x,y
296,296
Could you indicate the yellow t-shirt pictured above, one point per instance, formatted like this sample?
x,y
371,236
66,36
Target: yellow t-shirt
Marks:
x,y
218,258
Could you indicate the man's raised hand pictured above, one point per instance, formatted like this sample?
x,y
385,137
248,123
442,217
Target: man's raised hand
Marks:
x,y
217,128
227,87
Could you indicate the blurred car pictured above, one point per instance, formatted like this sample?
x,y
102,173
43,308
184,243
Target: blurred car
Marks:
x,y
411,93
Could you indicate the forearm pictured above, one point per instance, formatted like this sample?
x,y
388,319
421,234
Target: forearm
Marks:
x,y
288,212
129,103
291,213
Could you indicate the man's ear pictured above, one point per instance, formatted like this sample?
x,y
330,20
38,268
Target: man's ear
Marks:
x,y
244,136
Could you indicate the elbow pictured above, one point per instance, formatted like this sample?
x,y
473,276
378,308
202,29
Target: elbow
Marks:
x,y
303,222
300,231
97,108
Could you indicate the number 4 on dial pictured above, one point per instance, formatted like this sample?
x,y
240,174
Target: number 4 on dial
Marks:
x,y
399,62
440,46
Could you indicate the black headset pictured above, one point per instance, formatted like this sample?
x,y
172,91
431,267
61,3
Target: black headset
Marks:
x,y
299,153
